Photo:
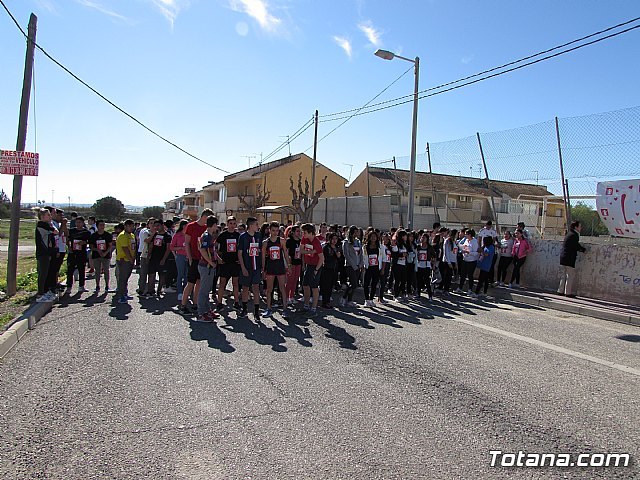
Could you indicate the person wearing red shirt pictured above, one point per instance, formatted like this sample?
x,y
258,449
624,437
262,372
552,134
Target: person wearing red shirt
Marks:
x,y
192,232
313,260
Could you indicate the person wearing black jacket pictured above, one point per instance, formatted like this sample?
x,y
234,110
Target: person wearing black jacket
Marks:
x,y
45,250
568,256
77,257
332,256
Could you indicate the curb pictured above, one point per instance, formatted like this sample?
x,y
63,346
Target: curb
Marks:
x,y
25,322
552,304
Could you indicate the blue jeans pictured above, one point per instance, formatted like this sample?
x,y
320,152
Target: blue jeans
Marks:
x,y
182,267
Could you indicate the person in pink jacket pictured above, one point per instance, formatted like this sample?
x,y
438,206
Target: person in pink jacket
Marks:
x,y
521,248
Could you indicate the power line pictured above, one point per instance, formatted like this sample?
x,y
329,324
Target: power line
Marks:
x,y
356,112
292,137
488,76
121,110
437,87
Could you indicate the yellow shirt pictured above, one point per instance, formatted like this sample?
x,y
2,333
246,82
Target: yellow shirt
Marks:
x,y
125,240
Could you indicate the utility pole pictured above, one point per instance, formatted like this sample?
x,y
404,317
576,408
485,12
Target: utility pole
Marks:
x,y
12,264
315,152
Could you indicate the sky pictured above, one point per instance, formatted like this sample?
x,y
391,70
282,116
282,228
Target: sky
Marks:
x,y
229,79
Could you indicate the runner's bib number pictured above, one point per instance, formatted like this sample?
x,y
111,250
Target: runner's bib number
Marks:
x,y
422,257
157,242
231,246
308,249
388,256
77,245
373,260
253,248
102,245
274,253
297,253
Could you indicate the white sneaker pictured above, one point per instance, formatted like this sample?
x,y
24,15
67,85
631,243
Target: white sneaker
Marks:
x,y
343,302
352,304
170,290
179,297
516,285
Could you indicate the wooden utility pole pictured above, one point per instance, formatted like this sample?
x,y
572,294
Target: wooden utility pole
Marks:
x,y
369,198
12,265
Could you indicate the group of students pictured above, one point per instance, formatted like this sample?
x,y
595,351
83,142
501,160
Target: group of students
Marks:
x,y
197,260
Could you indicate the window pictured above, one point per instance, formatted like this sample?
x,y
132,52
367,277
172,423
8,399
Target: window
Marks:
x,y
395,199
559,212
424,201
451,202
464,198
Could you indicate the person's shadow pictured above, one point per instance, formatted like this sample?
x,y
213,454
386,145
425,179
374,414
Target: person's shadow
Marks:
x,y
212,334
291,330
337,333
256,331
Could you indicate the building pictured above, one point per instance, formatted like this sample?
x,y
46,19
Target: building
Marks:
x,y
462,201
245,190
263,191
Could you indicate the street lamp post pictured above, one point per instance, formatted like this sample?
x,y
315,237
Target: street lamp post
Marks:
x,y
386,55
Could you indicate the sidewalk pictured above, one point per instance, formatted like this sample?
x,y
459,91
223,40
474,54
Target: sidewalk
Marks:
x,y
590,307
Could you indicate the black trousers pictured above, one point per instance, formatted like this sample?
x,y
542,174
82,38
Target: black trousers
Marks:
x,y
43,264
79,261
383,282
503,266
399,279
353,276
492,270
327,281
424,280
411,278
517,265
371,277
483,281
54,270
468,269
447,274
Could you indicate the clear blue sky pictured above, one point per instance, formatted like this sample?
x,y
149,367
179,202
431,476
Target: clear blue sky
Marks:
x,y
227,78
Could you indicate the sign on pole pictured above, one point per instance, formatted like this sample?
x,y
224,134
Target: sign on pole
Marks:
x,y
19,163
618,204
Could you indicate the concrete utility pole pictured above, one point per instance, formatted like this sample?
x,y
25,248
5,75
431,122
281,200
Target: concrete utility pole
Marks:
x,y
14,230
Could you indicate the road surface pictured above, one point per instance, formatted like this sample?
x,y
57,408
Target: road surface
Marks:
x,y
407,391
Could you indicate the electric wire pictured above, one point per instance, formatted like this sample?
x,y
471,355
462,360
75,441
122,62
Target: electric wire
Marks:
x,y
437,87
486,77
351,116
121,110
292,137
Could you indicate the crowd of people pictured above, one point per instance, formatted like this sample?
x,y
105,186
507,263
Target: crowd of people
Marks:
x,y
279,265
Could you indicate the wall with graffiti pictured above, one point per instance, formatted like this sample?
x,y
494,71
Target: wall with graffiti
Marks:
x,y
605,272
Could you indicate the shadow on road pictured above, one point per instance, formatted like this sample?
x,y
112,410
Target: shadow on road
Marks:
x,y
212,334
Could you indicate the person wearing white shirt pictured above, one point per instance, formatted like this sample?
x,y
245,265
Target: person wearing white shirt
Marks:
x,y
470,256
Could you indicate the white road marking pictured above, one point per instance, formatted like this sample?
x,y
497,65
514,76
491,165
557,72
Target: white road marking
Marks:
x,y
550,346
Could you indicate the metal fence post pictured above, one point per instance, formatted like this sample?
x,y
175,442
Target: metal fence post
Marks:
x,y
565,192
486,173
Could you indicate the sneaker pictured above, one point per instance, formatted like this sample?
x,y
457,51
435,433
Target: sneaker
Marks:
x,y
459,290
170,290
110,290
179,297
343,302
489,297
194,308
243,314
256,316
305,308
204,318
42,298
352,304
237,306
470,293
267,313
123,300
473,295
382,300
430,299
312,312
183,308
213,314
516,285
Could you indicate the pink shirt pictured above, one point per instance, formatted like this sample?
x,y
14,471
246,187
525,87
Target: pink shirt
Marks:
x,y
177,244
521,248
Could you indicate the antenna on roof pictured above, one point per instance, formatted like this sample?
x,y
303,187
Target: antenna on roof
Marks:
x,y
350,170
248,157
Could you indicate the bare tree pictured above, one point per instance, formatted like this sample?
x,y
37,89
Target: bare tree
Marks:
x,y
300,199
260,200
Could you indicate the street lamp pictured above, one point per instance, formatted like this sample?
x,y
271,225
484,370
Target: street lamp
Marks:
x,y
386,55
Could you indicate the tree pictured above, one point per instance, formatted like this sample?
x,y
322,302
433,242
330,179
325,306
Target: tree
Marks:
x,y
589,219
155,212
5,205
109,208
260,200
300,200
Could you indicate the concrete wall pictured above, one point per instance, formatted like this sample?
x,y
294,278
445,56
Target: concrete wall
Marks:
x,y
605,272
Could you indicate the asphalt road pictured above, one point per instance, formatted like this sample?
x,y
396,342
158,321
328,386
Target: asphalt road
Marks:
x,y
401,392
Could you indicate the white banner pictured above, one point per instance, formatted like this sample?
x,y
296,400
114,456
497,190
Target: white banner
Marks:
x,y
618,205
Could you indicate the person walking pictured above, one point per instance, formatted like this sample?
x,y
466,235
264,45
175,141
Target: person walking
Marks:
x,y
568,256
